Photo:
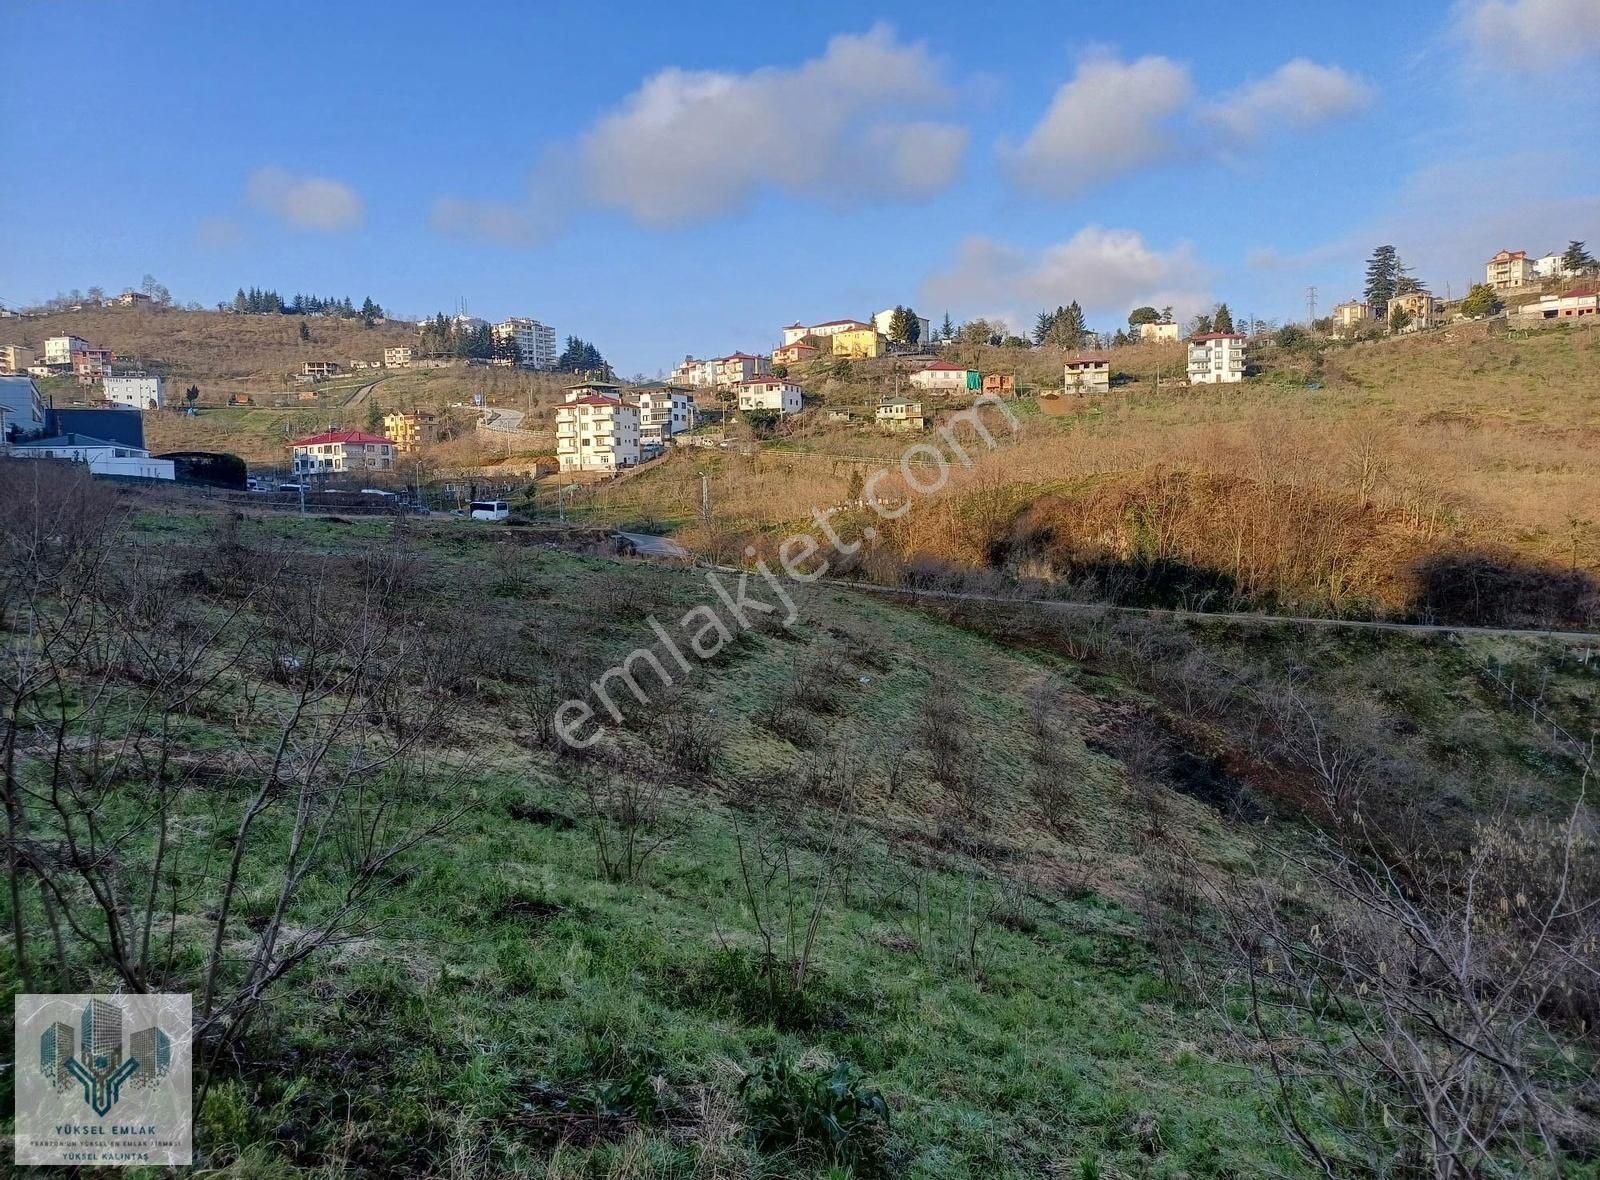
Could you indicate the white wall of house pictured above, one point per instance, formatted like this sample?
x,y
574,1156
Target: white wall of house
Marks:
x,y
774,394
58,350
597,434
105,460
1216,361
881,320
940,379
142,393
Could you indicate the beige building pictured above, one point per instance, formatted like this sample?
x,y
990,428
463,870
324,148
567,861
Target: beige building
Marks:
x,y
59,350
797,330
16,358
596,432
901,413
397,358
1416,309
1090,373
1159,332
410,431
797,352
317,370
1216,358
1351,317
1509,270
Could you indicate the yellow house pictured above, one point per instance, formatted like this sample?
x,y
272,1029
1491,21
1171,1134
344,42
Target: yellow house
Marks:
x,y
857,343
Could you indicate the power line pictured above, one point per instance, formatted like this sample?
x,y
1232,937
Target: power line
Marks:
x,y
1311,306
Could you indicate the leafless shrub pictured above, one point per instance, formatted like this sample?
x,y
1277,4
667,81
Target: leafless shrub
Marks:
x,y
631,818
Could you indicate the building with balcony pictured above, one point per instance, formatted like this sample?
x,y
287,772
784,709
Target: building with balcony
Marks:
x,y
1089,373
664,410
1351,317
59,350
595,432
408,431
770,393
22,410
318,370
1508,270
1216,358
900,413
136,391
829,328
398,357
336,452
1413,311
535,342
16,358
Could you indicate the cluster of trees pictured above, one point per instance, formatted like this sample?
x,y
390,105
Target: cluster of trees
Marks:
x,y
1218,319
1576,259
257,301
580,356
95,296
904,326
444,337
1064,327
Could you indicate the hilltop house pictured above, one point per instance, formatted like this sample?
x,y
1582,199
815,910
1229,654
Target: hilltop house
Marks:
x,y
807,348
1089,373
1550,266
1508,270
1216,358
797,330
1414,311
1350,317
596,432
770,393
1159,332
900,413
337,451
944,377
857,343
131,298
882,319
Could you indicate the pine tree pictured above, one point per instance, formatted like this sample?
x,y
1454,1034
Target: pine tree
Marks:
x,y
1222,319
1042,326
947,330
913,326
1575,259
1384,273
897,325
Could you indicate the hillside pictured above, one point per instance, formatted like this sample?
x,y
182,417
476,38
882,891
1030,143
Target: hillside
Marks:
x,y
1334,481
978,864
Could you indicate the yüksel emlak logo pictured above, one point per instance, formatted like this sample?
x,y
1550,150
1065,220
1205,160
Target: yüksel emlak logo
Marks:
x,y
110,1081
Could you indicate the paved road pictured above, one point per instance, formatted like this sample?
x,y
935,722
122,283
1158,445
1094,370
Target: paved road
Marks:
x,y
1226,616
360,395
650,545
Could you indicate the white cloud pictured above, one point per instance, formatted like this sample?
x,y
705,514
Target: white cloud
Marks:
x,y
305,202
687,145
1299,93
219,234
1111,118
1108,271
1531,36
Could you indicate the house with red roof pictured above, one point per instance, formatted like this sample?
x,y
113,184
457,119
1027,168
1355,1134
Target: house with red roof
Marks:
x,y
596,430
1509,269
770,393
944,377
336,451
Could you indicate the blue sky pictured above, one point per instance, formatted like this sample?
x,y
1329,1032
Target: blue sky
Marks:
x,y
681,181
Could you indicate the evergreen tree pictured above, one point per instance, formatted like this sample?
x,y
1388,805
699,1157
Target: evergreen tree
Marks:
x,y
897,325
1480,301
240,303
192,394
305,331
1384,273
1575,259
1143,315
947,330
913,326
1042,326
1222,319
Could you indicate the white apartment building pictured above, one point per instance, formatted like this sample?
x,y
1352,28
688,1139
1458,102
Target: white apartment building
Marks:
x,y
881,320
1216,358
535,342
21,407
597,433
396,358
142,393
722,370
1550,266
663,412
337,451
59,350
770,393
99,455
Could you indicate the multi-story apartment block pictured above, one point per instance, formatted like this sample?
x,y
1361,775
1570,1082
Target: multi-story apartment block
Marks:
x,y
337,451
663,412
140,392
397,357
1508,270
1089,373
1216,358
596,432
770,393
319,369
58,350
408,431
16,358
22,410
535,342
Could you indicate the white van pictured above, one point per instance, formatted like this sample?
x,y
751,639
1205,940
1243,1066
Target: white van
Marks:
x,y
489,510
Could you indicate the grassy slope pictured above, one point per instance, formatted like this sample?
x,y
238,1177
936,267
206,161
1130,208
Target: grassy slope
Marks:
x,y
507,970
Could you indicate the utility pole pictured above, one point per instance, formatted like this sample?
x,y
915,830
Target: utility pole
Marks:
x,y
705,499
1311,306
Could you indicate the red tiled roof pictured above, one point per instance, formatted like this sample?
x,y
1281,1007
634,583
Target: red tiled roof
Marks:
x,y
341,436
1218,336
596,399
1580,293
1088,358
738,356
769,379
943,367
